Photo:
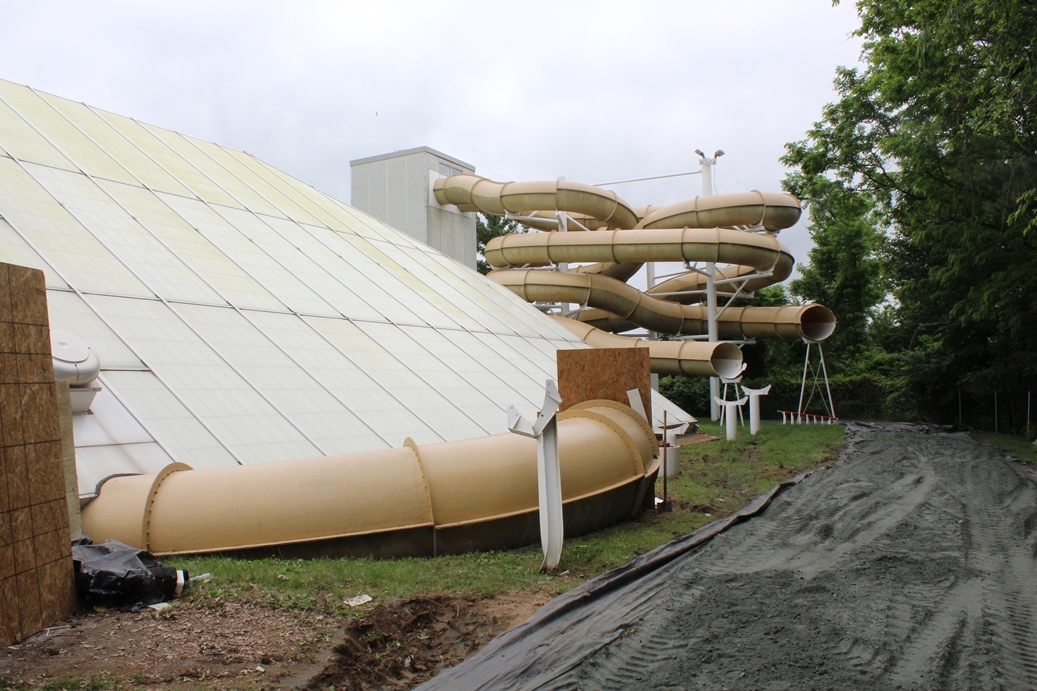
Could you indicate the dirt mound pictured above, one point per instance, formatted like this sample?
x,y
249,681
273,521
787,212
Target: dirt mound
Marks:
x,y
402,643
248,646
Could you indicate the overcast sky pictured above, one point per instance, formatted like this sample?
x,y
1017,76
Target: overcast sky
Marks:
x,y
592,91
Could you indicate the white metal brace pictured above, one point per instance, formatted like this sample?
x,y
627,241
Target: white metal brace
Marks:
x,y
549,472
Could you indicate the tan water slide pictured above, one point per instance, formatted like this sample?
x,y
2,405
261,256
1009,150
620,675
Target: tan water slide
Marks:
x,y
482,493
705,229
417,500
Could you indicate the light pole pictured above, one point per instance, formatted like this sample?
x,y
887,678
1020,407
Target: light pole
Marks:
x,y
706,165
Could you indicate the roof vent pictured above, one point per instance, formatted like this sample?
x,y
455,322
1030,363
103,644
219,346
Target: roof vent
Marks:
x,y
77,364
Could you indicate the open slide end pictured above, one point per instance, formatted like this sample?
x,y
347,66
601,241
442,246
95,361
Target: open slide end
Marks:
x,y
726,360
818,323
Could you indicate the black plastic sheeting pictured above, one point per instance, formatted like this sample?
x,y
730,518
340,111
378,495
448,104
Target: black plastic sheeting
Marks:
x,y
563,633
115,574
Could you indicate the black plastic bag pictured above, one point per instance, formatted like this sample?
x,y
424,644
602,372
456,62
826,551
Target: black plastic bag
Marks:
x,y
115,574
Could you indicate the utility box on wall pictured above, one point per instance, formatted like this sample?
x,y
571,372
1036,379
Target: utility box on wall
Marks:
x,y
396,188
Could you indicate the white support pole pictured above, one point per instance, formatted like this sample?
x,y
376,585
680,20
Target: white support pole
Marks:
x,y
803,385
549,472
706,166
707,175
754,406
730,418
735,381
711,321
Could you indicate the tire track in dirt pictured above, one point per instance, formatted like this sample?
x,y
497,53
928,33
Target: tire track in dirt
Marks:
x,y
911,563
996,616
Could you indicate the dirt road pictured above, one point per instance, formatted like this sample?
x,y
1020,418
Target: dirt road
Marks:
x,y
911,563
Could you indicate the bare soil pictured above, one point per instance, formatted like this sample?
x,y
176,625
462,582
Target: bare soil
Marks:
x,y
244,646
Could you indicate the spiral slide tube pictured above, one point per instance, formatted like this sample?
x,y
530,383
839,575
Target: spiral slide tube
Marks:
x,y
813,322
703,229
416,500
474,193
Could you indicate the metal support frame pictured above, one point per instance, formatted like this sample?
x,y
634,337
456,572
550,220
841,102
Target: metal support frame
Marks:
x,y
821,371
549,472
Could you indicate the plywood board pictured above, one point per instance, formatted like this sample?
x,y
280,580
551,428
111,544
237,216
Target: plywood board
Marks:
x,y
607,373
36,583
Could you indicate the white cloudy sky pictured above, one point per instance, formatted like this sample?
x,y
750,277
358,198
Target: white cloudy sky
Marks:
x,y
592,91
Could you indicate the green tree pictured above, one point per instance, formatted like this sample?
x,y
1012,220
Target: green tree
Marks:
x,y
938,133
487,227
845,272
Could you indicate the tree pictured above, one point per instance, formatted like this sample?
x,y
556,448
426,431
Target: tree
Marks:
x,y
488,227
937,138
845,272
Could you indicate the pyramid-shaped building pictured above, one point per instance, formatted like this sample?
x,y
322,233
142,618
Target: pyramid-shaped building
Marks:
x,y
241,316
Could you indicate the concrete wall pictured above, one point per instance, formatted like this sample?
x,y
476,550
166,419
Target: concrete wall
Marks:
x,y
36,578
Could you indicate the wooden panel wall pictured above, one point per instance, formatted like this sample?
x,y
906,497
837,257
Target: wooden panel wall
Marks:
x,y
607,373
36,580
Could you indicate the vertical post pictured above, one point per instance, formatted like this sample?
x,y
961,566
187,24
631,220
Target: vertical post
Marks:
x,y
664,448
711,319
754,407
652,335
666,452
706,166
549,489
549,472
730,418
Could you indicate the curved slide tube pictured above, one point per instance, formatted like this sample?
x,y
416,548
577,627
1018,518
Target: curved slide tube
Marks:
x,y
703,229
813,322
770,210
475,193
596,208
692,358
761,252
416,500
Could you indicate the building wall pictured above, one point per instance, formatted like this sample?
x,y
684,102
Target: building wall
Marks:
x,y
394,188
36,578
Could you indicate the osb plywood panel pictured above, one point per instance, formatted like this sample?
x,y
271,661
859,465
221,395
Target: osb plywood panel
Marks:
x,y
606,373
36,584
68,459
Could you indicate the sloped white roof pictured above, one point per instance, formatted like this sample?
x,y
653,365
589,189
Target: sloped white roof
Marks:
x,y
242,316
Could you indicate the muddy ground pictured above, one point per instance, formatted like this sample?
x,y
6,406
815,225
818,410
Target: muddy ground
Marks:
x,y
243,646
910,564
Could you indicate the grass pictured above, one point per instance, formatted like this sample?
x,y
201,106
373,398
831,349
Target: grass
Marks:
x,y
717,478
1020,447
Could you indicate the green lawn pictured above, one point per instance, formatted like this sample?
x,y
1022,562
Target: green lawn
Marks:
x,y
717,478
1020,447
